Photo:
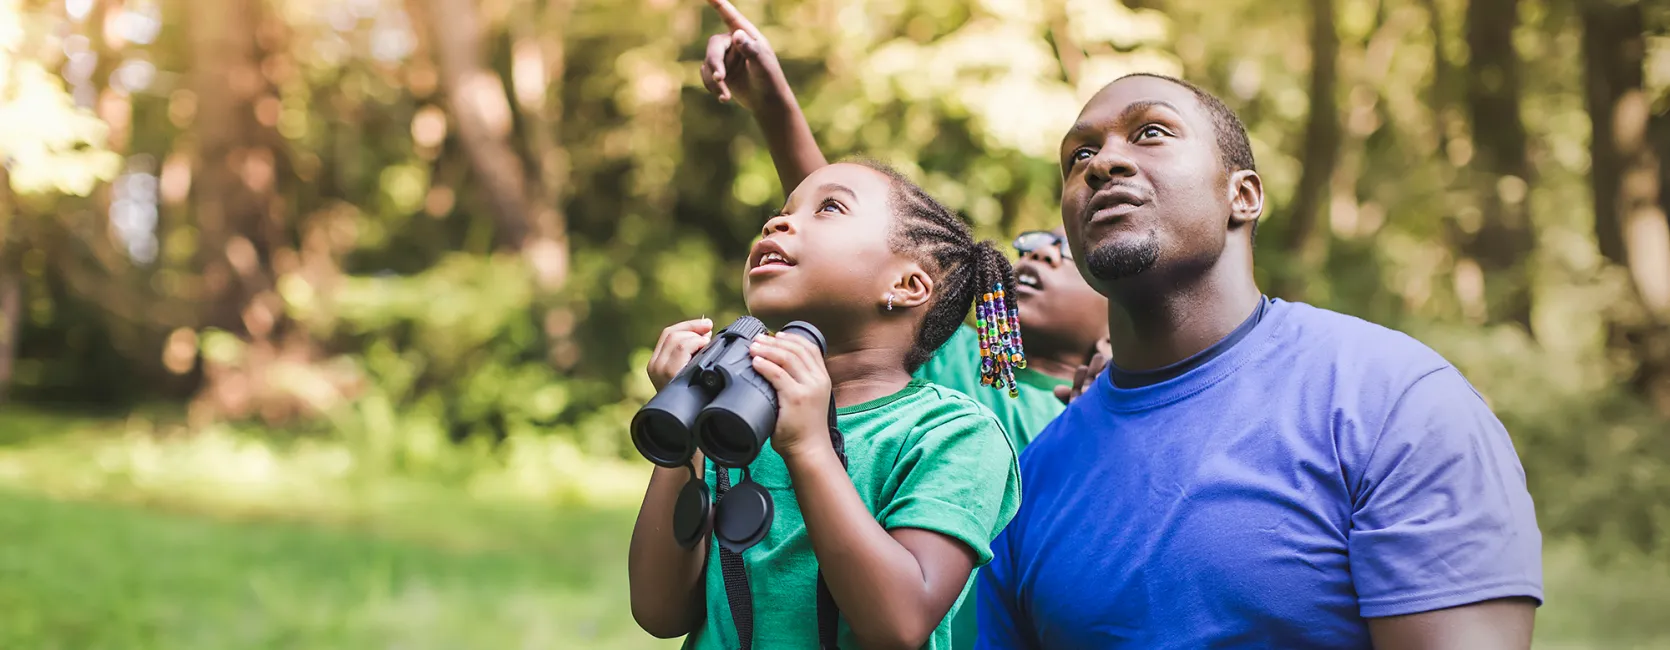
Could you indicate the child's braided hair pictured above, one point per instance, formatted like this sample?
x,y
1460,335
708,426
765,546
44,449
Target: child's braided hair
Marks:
x,y
966,272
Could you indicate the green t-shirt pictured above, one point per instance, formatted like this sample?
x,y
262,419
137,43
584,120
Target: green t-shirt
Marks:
x,y
925,457
957,366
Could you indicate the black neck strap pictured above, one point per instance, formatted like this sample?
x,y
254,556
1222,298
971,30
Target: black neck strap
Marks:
x,y
741,597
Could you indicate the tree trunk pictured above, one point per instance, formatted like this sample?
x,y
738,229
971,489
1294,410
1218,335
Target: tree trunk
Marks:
x,y
11,287
1502,169
1627,175
227,80
1443,74
526,220
11,321
1305,236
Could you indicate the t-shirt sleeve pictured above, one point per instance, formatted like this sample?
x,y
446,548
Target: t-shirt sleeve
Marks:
x,y
959,480
1000,623
1441,516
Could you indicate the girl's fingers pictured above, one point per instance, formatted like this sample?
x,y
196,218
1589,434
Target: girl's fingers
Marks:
x,y
777,354
773,373
733,18
713,66
801,348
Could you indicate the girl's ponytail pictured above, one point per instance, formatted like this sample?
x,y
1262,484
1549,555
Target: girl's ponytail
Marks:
x,y
996,319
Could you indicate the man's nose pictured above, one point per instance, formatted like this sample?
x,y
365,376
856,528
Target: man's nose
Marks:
x,y
1108,164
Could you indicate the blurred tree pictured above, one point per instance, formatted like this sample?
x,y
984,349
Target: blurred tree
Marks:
x,y
1304,240
1497,240
1631,224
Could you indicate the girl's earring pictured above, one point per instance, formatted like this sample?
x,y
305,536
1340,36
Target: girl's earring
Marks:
x,y
889,302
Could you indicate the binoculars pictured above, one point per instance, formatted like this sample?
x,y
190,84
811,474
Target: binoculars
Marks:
x,y
720,405
717,403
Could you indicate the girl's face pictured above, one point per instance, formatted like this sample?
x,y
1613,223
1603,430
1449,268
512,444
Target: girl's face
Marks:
x,y
826,258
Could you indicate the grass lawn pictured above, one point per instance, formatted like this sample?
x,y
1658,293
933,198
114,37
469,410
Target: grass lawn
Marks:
x,y
109,542
91,576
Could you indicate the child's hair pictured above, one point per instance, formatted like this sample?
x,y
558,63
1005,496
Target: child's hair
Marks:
x,y
966,272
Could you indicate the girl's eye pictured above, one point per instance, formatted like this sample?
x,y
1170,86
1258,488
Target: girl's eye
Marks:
x,y
1152,130
830,204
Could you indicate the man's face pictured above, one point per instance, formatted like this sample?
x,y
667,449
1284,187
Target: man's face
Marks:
x,y
1058,309
1145,197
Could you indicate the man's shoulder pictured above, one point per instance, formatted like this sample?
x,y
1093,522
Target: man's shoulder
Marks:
x,y
1342,340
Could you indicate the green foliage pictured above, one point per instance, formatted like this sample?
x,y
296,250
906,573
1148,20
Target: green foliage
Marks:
x,y
49,144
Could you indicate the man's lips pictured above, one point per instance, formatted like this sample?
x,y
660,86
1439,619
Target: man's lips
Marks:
x,y
1113,202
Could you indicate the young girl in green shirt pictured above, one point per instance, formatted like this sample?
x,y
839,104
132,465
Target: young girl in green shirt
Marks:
x,y
887,274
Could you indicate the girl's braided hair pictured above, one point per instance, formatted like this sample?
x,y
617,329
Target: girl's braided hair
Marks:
x,y
966,273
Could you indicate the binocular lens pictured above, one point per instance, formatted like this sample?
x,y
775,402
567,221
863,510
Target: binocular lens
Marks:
x,y
727,439
733,428
661,438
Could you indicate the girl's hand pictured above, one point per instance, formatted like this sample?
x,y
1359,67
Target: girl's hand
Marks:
x,y
794,366
678,344
740,64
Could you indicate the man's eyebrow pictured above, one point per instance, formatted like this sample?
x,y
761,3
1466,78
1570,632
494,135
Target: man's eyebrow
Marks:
x,y
1136,108
1139,107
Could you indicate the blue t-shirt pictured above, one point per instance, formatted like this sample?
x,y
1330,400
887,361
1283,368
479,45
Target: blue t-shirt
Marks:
x,y
1322,470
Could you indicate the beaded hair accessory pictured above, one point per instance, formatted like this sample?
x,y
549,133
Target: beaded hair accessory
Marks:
x,y
999,326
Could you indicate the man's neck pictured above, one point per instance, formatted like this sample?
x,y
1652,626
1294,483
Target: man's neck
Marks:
x,y
1155,329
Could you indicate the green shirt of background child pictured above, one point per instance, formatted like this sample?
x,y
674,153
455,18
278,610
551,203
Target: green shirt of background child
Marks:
x,y
957,366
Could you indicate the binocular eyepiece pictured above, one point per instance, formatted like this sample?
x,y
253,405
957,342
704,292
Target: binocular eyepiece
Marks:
x,y
717,403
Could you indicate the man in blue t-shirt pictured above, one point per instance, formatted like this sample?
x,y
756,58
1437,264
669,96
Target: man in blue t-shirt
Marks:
x,y
1248,472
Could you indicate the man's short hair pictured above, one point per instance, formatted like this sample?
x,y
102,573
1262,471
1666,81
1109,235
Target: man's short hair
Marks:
x,y
1234,149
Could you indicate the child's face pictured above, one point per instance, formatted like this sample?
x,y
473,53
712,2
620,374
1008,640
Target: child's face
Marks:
x,y
826,258
1058,309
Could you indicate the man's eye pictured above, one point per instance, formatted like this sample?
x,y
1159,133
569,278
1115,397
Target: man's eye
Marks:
x,y
1082,154
1152,130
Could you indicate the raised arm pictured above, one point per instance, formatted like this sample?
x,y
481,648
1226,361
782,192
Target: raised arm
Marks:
x,y
741,65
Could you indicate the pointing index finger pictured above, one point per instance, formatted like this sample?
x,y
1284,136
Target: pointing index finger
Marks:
x,y
734,19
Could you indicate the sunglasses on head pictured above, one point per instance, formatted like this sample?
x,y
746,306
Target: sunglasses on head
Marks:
x,y
1032,240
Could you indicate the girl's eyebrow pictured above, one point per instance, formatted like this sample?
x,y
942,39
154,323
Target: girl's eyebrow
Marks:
x,y
837,187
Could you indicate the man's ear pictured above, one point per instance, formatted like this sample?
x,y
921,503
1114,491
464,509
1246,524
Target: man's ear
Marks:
x,y
912,288
1246,199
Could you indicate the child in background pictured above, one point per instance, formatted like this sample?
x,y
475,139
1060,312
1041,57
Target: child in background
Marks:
x,y
887,274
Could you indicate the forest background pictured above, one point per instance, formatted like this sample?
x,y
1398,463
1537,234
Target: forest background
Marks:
x,y
321,321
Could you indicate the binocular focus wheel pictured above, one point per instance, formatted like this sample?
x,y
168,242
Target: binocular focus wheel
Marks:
x,y
690,514
744,516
